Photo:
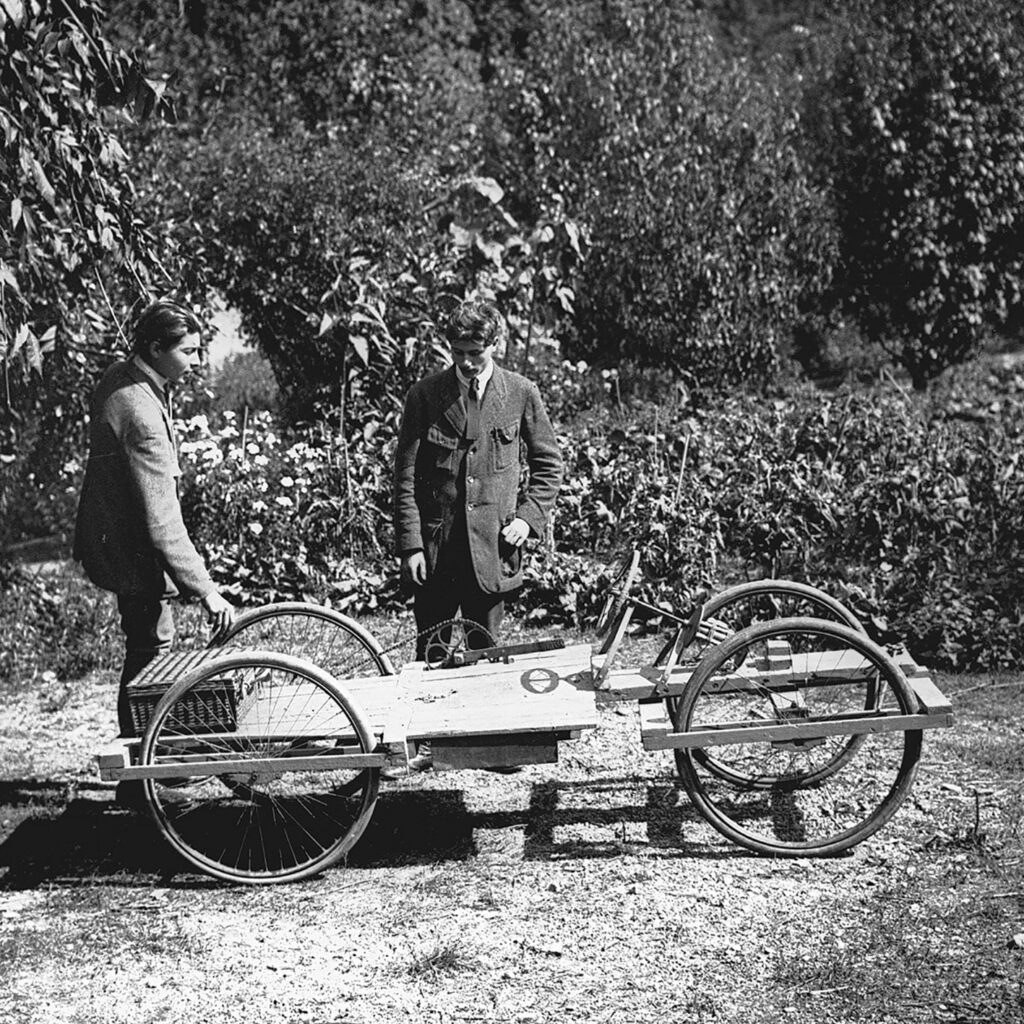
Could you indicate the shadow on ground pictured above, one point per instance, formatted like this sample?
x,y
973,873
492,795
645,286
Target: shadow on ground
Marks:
x,y
53,832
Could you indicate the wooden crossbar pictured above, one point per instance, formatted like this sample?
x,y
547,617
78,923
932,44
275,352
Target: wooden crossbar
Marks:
x,y
656,728
116,763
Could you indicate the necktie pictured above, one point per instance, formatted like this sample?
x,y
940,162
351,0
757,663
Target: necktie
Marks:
x,y
473,411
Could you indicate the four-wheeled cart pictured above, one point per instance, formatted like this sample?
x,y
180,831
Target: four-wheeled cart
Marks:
x,y
793,733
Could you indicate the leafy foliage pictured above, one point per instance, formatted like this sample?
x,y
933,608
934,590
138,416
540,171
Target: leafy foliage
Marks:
x,y
70,194
908,508
928,168
74,253
707,240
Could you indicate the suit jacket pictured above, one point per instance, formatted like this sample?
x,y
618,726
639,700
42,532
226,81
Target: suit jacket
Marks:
x,y
428,462
129,534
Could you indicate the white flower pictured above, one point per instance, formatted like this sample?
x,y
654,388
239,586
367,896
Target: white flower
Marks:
x,y
287,481
255,529
284,501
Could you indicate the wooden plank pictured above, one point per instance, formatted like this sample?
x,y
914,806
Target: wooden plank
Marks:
x,y
549,692
656,728
779,655
611,647
931,699
251,765
512,749
818,668
116,755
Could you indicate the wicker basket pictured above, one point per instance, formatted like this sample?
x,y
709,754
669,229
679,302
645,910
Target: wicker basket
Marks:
x,y
210,706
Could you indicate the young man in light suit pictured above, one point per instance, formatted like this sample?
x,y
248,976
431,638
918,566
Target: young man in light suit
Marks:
x,y
460,515
129,534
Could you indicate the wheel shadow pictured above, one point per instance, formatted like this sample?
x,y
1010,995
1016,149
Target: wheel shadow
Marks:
x,y
53,832
72,834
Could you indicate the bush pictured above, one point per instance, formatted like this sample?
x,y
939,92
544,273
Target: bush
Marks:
x,y
910,509
286,514
63,626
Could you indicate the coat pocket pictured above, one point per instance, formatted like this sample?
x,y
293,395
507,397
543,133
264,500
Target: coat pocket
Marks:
x,y
443,447
505,446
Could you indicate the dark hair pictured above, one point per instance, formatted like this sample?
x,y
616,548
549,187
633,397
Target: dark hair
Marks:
x,y
476,320
164,322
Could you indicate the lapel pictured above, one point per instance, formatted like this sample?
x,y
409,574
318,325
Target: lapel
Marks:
x,y
451,401
494,397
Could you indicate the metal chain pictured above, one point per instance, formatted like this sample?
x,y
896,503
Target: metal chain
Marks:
x,y
415,638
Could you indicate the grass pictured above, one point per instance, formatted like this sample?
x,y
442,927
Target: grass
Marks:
x,y
442,956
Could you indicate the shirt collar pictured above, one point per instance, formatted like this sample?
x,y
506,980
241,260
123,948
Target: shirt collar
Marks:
x,y
484,379
158,379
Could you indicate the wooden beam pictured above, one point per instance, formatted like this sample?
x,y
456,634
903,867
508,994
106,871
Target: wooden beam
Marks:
x,y
250,765
656,728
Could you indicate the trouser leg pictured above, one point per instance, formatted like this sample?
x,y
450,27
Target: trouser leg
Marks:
x,y
486,609
147,621
433,603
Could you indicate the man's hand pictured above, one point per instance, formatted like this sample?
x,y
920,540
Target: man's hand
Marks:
x,y
414,568
516,532
219,613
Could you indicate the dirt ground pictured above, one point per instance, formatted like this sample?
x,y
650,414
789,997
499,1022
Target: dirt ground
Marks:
x,y
557,894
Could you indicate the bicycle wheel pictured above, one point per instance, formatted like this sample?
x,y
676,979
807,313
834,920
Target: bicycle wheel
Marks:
x,y
268,822
812,795
330,640
745,604
760,601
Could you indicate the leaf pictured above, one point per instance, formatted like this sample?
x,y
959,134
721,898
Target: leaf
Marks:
x,y
574,237
326,323
43,183
7,278
15,212
488,188
462,237
19,339
492,250
361,347
13,10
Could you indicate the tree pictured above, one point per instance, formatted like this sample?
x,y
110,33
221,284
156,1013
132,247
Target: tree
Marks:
x,y
927,161
74,254
707,239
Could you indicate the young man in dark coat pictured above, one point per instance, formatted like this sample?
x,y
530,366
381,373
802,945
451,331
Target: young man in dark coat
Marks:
x,y
129,534
461,516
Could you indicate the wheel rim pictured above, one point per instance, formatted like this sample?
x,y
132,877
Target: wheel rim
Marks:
x,y
805,797
765,601
330,640
268,824
751,603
